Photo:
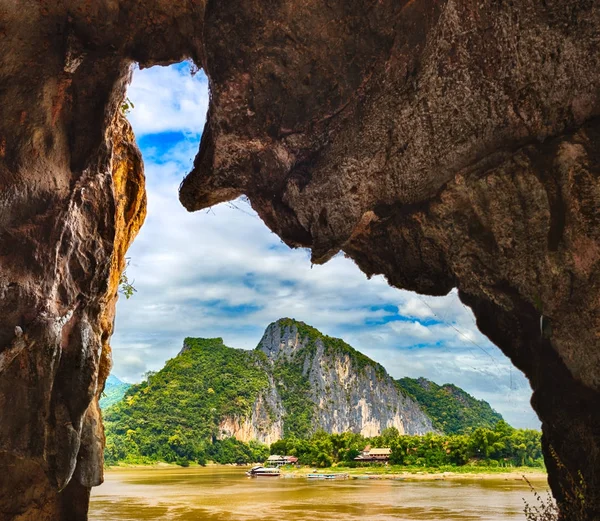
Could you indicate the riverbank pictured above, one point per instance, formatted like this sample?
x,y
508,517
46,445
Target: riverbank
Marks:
x,y
427,474
391,472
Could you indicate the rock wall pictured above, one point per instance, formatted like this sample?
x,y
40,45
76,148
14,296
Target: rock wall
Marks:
x,y
346,396
442,143
458,148
71,200
53,372
265,423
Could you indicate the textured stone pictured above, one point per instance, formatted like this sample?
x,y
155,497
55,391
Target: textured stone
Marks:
x,y
265,423
347,398
442,143
458,148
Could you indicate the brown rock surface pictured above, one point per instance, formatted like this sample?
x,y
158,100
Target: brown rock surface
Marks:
x,y
441,143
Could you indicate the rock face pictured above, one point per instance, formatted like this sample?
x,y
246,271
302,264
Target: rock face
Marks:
x,y
265,423
60,295
458,148
441,143
346,391
318,382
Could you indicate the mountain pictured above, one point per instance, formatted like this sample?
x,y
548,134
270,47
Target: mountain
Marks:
x,y
294,383
323,383
452,410
114,390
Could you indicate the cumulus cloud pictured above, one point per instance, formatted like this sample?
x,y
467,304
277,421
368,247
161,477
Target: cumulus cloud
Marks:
x,y
168,99
222,273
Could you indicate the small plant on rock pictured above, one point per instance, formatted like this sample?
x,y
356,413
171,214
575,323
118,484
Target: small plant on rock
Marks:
x,y
546,509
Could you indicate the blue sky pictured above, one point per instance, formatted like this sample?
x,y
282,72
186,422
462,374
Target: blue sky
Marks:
x,y
221,272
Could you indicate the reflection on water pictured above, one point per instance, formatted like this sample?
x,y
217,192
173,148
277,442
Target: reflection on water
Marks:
x,y
226,494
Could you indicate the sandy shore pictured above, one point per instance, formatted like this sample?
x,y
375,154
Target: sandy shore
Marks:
x,y
511,475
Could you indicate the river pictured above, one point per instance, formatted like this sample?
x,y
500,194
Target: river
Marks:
x,y
226,494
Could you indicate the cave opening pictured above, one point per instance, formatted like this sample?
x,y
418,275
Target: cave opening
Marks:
x,y
221,272
222,269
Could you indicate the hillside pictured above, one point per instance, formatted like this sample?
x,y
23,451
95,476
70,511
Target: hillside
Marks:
x,y
114,390
216,402
176,413
452,410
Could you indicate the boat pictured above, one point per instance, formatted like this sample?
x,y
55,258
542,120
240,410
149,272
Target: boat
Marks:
x,y
327,476
260,471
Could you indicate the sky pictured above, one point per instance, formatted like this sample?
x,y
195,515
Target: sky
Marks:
x,y
222,273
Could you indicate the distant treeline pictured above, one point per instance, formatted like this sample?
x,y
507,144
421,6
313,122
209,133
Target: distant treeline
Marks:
x,y
501,446
183,450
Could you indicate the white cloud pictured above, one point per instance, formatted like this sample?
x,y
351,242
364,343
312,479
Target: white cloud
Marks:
x,y
168,99
223,273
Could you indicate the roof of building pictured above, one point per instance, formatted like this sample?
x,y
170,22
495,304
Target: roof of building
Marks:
x,y
380,452
277,457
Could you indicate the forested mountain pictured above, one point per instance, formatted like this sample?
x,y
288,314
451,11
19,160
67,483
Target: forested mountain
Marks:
x,y
212,398
452,410
114,390
175,414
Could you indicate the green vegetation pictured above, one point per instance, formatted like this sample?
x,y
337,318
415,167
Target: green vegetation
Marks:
x,y
500,447
126,288
127,106
174,415
295,390
114,390
452,410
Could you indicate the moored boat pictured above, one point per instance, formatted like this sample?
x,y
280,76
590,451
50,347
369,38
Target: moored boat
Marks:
x,y
260,471
327,476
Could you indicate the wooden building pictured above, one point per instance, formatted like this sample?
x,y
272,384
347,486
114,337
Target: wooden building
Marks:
x,y
369,454
275,460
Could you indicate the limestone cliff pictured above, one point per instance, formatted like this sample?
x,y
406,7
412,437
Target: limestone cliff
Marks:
x,y
341,388
265,422
294,383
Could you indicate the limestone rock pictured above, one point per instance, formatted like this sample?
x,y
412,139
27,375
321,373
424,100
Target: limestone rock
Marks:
x,y
348,391
443,143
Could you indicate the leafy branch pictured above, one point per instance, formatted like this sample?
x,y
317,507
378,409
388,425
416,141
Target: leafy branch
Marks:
x,y
125,287
127,106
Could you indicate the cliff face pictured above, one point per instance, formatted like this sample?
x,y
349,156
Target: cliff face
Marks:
x,y
457,148
53,369
265,422
345,390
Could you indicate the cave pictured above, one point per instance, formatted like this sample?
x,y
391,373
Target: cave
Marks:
x,y
443,144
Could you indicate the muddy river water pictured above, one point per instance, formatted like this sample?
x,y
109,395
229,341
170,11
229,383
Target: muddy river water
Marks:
x,y
226,494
